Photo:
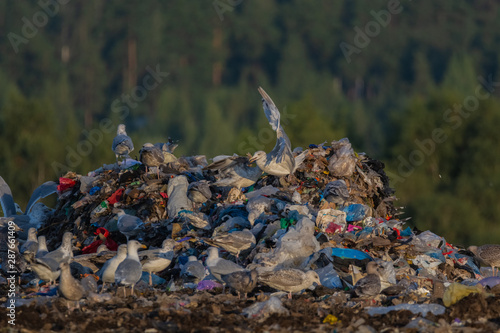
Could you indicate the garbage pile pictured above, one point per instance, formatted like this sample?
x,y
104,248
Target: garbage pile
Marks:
x,y
327,223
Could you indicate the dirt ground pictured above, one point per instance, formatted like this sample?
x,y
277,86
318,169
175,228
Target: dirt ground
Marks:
x,y
212,311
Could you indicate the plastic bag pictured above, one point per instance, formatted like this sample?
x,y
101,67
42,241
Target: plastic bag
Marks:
x,y
343,161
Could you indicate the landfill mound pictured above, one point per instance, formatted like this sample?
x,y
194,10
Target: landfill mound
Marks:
x,y
333,216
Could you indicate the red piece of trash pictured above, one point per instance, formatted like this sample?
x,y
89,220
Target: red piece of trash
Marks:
x,y
65,184
115,197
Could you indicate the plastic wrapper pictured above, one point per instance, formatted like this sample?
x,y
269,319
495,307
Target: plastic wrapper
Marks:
x,y
343,161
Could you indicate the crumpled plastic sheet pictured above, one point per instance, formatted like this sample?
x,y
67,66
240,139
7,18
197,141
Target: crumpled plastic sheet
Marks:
x,y
421,309
264,309
456,291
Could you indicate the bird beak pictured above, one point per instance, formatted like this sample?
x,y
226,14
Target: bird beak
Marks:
x,y
252,159
143,246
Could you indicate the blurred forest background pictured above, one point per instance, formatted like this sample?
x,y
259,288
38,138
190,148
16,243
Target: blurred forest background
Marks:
x,y
71,70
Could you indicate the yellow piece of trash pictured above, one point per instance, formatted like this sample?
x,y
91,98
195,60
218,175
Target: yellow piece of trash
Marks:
x,y
456,291
330,319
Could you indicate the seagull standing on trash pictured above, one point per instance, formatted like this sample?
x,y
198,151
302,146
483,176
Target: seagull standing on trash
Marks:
x,y
107,272
129,271
242,281
154,261
64,253
488,255
30,247
291,280
280,161
369,285
122,143
151,156
42,247
219,266
69,287
193,270
128,225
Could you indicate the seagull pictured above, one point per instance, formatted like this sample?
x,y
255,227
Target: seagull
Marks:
x,y
193,270
242,281
488,254
169,146
167,150
128,225
235,171
64,252
369,285
42,247
291,280
280,161
129,271
234,242
30,247
219,266
107,272
46,269
151,156
30,218
199,191
122,143
69,287
154,261
336,192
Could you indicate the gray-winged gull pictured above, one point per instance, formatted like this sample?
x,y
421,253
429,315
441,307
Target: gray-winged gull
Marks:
x,y
235,171
42,247
193,270
199,191
128,225
234,242
219,266
280,161
40,192
291,280
370,284
29,218
168,146
488,255
64,252
129,271
154,261
46,269
167,150
69,287
151,156
30,247
107,272
243,281
122,143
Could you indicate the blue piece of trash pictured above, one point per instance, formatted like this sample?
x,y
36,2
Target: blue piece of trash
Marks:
x,y
94,190
355,212
350,254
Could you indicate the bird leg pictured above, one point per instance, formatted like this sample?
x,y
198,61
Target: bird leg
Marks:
x,y
289,295
102,288
150,279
